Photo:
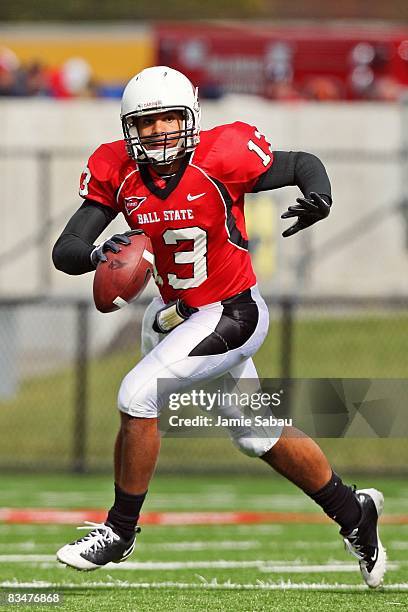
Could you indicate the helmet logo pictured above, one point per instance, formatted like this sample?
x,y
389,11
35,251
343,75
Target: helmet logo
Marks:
x,y
150,104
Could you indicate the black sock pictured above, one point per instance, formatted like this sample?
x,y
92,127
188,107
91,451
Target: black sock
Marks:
x,y
339,503
124,514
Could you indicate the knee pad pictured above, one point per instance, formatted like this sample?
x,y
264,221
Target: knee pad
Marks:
x,y
254,447
134,401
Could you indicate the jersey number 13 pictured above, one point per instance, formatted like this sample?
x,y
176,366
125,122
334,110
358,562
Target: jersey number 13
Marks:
x,y
197,256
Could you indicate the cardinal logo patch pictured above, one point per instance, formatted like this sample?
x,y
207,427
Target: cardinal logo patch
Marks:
x,y
133,203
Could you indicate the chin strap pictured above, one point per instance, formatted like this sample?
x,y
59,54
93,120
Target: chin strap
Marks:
x,y
156,156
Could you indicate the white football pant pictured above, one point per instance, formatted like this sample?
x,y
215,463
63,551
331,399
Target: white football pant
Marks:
x,y
168,357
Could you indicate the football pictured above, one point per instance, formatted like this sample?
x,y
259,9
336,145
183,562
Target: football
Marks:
x,y
122,278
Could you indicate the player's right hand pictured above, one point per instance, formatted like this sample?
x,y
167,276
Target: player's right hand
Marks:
x,y
111,244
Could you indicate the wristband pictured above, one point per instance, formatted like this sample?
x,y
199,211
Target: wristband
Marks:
x,y
171,316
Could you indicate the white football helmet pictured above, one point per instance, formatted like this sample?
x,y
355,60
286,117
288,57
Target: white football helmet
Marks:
x,y
157,90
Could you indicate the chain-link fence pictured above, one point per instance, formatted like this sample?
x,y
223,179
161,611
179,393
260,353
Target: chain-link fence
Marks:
x,y
62,363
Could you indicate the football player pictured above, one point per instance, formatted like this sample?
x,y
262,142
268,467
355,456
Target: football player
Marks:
x,y
184,188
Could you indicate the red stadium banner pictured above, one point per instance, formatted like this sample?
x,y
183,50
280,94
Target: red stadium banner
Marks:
x,y
325,62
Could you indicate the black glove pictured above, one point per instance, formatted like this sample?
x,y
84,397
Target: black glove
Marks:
x,y
308,210
111,244
171,315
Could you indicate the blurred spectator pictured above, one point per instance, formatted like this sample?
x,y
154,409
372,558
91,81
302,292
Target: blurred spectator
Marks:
x,y
361,81
387,89
7,82
35,81
367,78
9,72
278,62
284,91
278,71
323,89
71,80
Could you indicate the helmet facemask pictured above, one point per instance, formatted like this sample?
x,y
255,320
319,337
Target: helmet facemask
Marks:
x,y
165,147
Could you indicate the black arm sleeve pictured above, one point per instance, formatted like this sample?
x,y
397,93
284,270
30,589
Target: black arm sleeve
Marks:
x,y
296,168
71,252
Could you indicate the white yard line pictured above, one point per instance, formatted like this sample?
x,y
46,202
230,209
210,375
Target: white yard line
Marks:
x,y
203,585
263,565
235,545
255,529
26,558
23,528
398,545
208,545
180,546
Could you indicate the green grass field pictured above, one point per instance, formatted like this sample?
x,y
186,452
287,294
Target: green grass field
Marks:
x,y
251,568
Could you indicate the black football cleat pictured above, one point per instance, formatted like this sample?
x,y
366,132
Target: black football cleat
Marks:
x,y
364,541
99,547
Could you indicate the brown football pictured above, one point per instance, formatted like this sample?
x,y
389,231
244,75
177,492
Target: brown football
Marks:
x,y
123,277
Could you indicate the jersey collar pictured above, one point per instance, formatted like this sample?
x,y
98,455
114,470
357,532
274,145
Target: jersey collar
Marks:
x,y
164,192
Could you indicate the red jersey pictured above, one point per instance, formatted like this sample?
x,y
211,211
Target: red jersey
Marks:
x,y
195,219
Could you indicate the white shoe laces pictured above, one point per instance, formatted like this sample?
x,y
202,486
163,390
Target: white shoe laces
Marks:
x,y
354,549
100,535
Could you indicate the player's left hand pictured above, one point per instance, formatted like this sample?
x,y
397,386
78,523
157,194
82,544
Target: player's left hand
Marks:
x,y
308,211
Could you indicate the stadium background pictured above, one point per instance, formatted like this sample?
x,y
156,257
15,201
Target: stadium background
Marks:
x,y
337,293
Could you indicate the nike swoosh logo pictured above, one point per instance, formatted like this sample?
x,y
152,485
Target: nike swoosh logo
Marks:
x,y
127,552
375,556
190,197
